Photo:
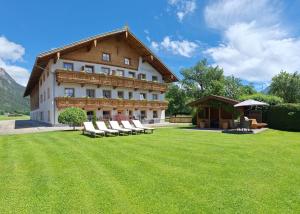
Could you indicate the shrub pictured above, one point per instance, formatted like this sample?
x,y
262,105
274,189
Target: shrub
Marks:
x,y
284,117
72,117
270,99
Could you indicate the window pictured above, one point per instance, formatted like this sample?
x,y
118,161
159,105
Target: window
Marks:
x,y
89,69
131,74
130,95
68,66
142,76
155,114
41,115
89,115
105,70
127,61
106,57
48,93
41,98
90,93
106,115
44,96
48,116
143,115
154,96
154,79
121,94
119,73
143,96
106,93
69,92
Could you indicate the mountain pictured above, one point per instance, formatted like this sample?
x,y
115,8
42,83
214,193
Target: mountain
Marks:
x,y
11,94
266,90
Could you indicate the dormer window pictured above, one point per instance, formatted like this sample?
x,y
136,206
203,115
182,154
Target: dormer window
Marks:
x,y
127,61
68,66
106,57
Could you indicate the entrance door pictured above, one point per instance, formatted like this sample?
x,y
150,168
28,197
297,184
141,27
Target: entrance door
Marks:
x,y
214,118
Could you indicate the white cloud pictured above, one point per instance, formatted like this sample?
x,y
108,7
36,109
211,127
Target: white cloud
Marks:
x,y
224,13
255,46
183,48
183,7
10,53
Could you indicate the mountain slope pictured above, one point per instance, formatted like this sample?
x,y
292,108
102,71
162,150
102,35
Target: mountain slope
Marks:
x,y
11,94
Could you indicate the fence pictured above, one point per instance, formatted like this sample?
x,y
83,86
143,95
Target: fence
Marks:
x,y
181,119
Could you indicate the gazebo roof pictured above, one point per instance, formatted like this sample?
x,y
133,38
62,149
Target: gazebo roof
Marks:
x,y
203,100
251,103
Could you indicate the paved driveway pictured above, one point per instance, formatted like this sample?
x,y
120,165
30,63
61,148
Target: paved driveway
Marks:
x,y
26,126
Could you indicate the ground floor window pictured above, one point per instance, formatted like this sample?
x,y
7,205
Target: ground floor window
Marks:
x,y
41,116
89,115
48,116
143,115
155,115
106,115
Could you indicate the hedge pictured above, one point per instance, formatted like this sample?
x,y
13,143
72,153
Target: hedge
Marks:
x,y
284,117
270,99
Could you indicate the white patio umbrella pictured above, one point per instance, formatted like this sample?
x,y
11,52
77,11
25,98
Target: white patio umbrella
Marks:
x,y
250,103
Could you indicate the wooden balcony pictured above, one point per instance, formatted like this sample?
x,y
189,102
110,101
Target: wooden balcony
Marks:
x,y
98,103
83,78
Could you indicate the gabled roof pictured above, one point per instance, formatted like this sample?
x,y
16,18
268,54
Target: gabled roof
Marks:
x,y
43,58
213,97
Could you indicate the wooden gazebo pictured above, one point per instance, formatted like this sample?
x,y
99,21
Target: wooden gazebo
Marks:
x,y
215,111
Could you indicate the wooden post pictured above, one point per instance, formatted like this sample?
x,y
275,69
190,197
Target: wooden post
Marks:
x,y
197,119
220,125
208,117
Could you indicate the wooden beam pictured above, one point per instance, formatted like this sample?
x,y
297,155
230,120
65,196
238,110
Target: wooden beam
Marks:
x,y
57,57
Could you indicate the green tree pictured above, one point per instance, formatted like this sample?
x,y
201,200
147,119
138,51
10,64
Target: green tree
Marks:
x,y
202,80
234,88
72,117
286,86
177,101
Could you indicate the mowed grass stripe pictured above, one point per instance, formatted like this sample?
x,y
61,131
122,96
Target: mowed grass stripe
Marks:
x,y
171,171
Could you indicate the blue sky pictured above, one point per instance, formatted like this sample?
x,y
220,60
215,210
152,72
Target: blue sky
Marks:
x,y
252,40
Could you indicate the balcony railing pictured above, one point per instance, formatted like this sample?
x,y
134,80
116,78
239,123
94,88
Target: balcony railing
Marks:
x,y
98,103
63,76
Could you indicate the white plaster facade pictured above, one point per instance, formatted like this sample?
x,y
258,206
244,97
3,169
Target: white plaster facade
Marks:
x,y
49,90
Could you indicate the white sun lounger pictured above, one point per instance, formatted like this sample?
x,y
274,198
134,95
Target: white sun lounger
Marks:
x,y
139,125
101,126
90,129
115,125
127,125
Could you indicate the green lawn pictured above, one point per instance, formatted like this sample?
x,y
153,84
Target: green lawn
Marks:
x,y
23,117
174,170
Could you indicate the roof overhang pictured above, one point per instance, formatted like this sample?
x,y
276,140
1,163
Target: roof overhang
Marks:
x,y
213,97
147,55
